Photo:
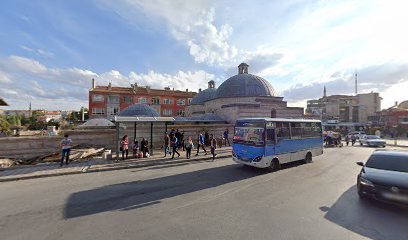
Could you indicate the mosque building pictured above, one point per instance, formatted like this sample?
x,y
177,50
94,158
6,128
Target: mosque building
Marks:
x,y
240,96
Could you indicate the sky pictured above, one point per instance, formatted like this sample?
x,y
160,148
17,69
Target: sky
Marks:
x,y
51,49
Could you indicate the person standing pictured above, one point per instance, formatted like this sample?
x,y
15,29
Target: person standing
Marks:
x,y
66,148
213,145
353,139
124,146
166,144
174,144
200,143
189,145
172,132
347,139
181,145
178,136
143,147
206,138
226,139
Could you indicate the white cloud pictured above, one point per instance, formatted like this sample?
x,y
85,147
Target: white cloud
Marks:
x,y
191,22
389,79
207,43
25,64
39,52
4,78
26,80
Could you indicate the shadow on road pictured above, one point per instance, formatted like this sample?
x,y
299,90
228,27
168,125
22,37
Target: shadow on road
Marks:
x,y
137,194
374,220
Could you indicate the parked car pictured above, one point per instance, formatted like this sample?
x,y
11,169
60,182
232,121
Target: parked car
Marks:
x,y
384,177
358,134
372,141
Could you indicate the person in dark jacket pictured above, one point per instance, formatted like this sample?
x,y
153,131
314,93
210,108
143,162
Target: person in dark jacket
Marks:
x,y
174,144
226,137
206,138
213,145
178,136
181,144
143,147
200,143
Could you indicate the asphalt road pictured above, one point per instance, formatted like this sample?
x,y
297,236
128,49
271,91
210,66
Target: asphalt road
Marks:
x,y
202,200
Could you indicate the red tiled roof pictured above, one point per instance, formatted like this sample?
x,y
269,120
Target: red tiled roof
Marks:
x,y
142,91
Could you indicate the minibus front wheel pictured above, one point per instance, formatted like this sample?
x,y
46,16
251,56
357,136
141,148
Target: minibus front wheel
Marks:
x,y
274,166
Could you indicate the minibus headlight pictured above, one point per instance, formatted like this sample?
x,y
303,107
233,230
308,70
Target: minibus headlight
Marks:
x,y
257,159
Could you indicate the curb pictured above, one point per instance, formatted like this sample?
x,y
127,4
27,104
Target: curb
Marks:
x,y
88,169
392,145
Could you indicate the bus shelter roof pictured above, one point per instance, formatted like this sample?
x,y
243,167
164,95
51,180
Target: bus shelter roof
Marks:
x,y
143,119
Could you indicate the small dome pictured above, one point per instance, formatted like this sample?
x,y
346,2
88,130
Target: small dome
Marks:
x,y
403,105
203,96
97,123
139,110
245,85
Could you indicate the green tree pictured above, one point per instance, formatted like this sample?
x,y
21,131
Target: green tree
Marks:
x,y
4,125
24,120
12,120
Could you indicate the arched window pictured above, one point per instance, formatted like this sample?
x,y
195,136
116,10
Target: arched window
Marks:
x,y
273,113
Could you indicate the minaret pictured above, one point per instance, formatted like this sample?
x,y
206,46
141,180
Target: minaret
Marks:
x,y
356,83
324,91
30,114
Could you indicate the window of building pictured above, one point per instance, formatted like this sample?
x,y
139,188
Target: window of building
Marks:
x,y
167,112
113,99
155,100
128,99
98,98
167,101
189,101
113,110
142,100
180,113
181,102
98,111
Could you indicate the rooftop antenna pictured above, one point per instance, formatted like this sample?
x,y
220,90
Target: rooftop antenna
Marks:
x,y
355,82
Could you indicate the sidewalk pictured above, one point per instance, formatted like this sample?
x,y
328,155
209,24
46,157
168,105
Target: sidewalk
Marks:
x,y
99,165
397,142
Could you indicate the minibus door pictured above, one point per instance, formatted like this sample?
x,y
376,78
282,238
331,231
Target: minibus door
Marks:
x,y
270,141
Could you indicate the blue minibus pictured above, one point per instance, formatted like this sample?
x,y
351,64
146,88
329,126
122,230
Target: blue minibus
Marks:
x,y
269,142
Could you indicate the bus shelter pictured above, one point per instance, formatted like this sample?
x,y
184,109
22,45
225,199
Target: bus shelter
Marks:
x,y
123,122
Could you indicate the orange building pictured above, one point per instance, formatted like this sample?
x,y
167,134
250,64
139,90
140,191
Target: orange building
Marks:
x,y
108,101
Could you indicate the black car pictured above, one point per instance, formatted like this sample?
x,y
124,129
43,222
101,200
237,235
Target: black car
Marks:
x,y
384,177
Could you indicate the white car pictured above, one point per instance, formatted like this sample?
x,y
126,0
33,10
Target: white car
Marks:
x,y
358,134
372,141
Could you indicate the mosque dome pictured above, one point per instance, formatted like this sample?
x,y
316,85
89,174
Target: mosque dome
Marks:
x,y
205,95
403,105
139,110
245,85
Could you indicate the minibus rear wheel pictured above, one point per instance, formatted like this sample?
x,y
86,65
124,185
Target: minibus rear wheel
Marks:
x,y
308,158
